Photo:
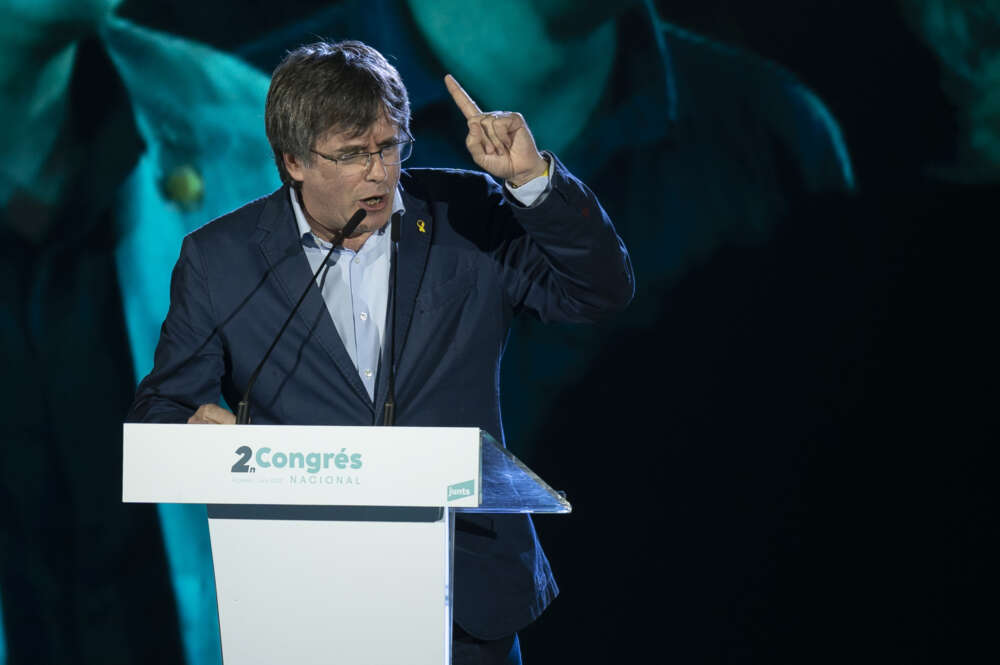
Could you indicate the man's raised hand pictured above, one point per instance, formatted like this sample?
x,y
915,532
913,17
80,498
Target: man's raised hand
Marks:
x,y
499,142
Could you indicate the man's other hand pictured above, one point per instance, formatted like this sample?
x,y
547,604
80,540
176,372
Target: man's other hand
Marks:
x,y
499,142
211,414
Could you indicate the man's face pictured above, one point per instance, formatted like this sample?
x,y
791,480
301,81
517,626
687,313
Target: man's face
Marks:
x,y
332,193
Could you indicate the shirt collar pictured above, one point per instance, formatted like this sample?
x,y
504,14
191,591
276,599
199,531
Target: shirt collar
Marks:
x,y
305,232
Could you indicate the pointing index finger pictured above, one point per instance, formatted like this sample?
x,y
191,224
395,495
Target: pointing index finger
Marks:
x,y
465,104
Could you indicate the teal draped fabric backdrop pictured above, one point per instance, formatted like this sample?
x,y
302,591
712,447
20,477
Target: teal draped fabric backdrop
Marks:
x,y
198,117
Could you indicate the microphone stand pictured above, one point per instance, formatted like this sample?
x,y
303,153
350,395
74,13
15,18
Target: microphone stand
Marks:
x,y
389,416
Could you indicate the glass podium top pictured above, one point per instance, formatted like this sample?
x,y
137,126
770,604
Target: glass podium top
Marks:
x,y
508,486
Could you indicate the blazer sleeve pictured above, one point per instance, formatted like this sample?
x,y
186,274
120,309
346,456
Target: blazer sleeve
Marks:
x,y
188,363
569,264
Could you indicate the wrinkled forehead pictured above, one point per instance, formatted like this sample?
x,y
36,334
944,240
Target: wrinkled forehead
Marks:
x,y
380,132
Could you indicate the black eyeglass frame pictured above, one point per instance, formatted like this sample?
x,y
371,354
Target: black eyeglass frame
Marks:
x,y
371,155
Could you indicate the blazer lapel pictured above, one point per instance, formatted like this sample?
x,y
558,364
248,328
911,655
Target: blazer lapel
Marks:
x,y
282,250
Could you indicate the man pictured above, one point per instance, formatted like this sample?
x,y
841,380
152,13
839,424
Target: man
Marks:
x,y
472,254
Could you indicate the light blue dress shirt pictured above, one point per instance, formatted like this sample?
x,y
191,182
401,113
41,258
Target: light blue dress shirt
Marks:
x,y
355,285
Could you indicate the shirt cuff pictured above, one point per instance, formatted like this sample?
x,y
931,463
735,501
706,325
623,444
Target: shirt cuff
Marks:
x,y
532,191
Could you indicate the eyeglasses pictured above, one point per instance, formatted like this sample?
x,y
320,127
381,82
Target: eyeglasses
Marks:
x,y
358,162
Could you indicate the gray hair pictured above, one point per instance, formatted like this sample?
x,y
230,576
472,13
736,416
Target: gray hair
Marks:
x,y
323,87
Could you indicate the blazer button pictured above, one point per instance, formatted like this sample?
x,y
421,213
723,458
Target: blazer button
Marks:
x,y
184,186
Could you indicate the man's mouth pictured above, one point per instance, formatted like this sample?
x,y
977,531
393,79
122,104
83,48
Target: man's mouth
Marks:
x,y
374,202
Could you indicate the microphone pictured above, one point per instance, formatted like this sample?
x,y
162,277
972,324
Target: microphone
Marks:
x,y
243,410
389,416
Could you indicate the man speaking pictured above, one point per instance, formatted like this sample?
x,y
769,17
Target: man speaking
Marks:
x,y
412,279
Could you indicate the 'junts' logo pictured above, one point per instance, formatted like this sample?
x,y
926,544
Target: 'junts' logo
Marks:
x,y
461,490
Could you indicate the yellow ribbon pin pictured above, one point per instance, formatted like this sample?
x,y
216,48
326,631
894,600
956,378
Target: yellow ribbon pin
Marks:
x,y
420,226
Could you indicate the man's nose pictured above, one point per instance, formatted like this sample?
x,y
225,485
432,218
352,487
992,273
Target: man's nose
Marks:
x,y
376,168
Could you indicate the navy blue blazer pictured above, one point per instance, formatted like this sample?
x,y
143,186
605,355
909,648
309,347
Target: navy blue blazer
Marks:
x,y
469,260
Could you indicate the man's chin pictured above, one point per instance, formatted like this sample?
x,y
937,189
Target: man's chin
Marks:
x,y
372,223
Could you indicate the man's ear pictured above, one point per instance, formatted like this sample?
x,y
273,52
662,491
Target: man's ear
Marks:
x,y
294,166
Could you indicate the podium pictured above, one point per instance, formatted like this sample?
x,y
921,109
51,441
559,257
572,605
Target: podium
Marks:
x,y
331,544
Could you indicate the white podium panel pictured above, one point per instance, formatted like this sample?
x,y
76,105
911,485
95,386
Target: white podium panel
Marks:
x,y
321,592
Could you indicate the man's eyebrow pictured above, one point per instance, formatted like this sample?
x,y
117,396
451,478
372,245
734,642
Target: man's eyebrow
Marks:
x,y
363,147
351,148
